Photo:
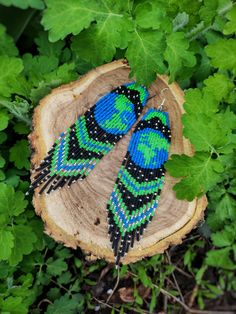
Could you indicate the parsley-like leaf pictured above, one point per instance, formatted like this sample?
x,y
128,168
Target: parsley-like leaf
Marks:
x,y
47,48
98,44
24,4
14,305
19,108
196,102
218,85
78,14
11,203
177,54
223,54
63,305
206,133
151,15
19,154
220,258
7,46
6,244
24,238
230,26
200,173
4,118
57,267
10,67
145,55
224,237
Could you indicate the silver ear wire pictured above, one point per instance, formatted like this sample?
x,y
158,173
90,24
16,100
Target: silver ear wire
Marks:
x,y
163,100
162,105
166,88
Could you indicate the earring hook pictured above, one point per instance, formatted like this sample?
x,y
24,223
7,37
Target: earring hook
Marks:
x,y
161,105
163,100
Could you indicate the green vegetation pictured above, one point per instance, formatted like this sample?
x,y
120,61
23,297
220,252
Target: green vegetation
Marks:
x,y
45,43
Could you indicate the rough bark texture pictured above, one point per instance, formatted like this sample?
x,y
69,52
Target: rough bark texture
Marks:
x,y
77,216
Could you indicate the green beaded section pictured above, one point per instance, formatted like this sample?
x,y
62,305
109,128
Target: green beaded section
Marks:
x,y
143,188
156,114
126,211
87,138
122,104
119,223
142,91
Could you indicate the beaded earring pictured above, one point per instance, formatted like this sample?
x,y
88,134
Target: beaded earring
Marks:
x,y
140,179
77,150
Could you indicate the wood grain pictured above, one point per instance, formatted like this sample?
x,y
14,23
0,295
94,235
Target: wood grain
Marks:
x,y
77,216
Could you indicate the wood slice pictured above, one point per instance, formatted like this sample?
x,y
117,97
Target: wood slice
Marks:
x,y
77,216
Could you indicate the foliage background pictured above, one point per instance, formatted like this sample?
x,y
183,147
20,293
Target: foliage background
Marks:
x,y
46,43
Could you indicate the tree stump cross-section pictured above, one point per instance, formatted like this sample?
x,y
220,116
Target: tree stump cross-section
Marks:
x,y
77,216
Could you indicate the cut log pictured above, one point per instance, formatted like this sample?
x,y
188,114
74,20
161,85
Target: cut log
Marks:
x,y
77,216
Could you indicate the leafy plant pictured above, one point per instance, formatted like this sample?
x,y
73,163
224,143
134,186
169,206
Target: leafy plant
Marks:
x,y
191,41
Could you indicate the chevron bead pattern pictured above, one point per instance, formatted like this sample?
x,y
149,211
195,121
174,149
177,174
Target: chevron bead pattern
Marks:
x,y
77,150
137,189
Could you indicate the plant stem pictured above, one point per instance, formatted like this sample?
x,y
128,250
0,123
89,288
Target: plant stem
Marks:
x,y
201,28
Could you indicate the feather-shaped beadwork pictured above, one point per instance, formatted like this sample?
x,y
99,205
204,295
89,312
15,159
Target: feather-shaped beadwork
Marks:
x,y
137,189
77,150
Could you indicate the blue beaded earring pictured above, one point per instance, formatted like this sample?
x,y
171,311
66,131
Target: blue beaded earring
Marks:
x,y
140,179
77,150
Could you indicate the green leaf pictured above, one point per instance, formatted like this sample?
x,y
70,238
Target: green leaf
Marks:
x,y
68,11
3,137
10,67
224,237
62,74
200,174
24,4
63,305
44,73
14,305
93,46
4,118
19,108
226,207
145,55
105,12
53,293
208,11
47,48
220,258
146,281
24,238
11,203
203,68
151,15
6,244
57,267
98,44
206,133
232,188
196,102
2,162
19,154
36,67
223,54
181,20
230,26
21,128
177,54
65,278
7,46
219,86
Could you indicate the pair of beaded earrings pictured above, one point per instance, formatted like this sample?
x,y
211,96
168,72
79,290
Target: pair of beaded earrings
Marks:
x,y
140,179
